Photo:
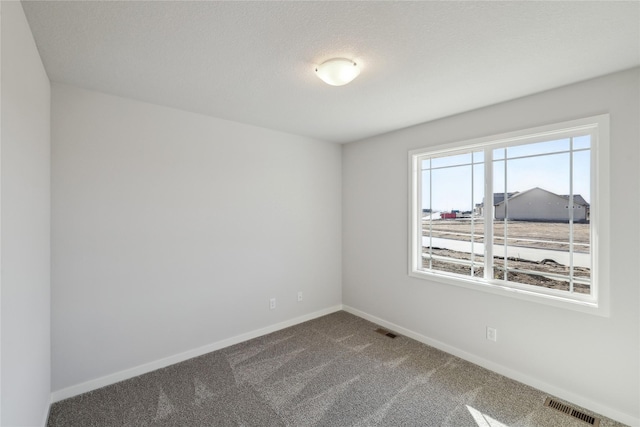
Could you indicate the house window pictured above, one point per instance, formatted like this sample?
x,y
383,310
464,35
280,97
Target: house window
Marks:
x,y
515,214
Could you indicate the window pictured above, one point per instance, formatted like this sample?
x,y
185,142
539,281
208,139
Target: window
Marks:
x,y
517,214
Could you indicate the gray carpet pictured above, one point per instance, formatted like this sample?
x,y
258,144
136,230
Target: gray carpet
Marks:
x,y
331,371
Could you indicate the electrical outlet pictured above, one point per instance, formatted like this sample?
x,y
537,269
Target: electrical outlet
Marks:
x,y
272,303
299,296
492,334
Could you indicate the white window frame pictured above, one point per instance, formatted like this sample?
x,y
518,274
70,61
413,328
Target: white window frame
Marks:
x,y
598,300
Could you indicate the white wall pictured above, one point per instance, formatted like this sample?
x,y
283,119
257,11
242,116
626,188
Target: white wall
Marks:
x,y
589,359
172,230
25,223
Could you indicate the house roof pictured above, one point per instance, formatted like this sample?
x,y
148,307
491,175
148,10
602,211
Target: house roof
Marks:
x,y
497,198
577,198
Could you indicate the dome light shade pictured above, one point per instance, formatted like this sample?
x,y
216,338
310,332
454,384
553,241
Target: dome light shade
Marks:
x,y
337,71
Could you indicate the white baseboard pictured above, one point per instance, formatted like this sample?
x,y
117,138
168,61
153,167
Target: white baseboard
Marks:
x,y
507,372
97,383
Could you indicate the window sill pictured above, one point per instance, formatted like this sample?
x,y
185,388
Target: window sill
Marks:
x,y
549,298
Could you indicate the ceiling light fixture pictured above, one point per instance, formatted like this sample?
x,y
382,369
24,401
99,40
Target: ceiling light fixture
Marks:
x,y
337,71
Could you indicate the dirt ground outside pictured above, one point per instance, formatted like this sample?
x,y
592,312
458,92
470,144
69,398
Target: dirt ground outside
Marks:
x,y
547,235
540,235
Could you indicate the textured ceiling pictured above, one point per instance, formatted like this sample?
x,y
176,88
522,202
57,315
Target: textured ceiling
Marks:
x,y
252,62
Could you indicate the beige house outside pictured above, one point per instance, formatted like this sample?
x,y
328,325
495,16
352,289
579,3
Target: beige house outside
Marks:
x,y
537,204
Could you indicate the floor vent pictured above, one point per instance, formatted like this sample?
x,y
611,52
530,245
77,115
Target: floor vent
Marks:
x,y
571,411
385,332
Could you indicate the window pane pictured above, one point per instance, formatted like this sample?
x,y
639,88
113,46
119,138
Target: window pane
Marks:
x,y
535,219
448,264
477,222
461,159
581,142
539,186
452,197
451,189
582,178
538,148
426,192
451,232
582,215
